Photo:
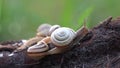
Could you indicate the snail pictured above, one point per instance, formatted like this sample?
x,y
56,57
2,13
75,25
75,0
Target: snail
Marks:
x,y
42,32
62,36
40,49
60,39
53,28
40,46
60,44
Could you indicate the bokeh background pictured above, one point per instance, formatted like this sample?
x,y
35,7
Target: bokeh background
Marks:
x,y
19,19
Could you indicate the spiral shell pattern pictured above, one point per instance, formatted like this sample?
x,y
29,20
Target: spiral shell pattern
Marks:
x,y
44,29
40,47
53,28
62,36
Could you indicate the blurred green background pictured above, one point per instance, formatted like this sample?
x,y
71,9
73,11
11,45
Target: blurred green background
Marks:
x,y
19,19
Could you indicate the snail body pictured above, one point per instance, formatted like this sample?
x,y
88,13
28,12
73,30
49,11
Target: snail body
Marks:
x,y
42,32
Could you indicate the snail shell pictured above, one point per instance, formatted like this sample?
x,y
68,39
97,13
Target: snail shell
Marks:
x,y
53,28
63,36
39,47
43,30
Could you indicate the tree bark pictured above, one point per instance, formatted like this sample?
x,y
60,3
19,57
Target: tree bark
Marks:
x,y
100,48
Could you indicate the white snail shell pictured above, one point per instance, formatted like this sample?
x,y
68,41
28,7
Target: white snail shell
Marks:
x,y
39,47
53,28
62,36
44,29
